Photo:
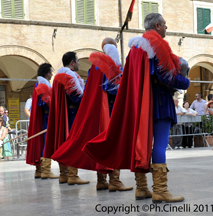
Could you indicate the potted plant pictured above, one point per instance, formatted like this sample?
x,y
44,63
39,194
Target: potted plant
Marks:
x,y
207,123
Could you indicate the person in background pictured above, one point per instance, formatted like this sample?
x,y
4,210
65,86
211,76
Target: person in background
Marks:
x,y
177,129
210,98
210,107
27,108
6,114
198,105
3,133
3,115
187,128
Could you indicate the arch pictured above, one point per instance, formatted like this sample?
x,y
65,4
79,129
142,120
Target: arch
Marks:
x,y
19,62
205,59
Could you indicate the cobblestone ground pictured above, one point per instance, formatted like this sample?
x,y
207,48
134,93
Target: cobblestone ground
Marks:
x,y
190,175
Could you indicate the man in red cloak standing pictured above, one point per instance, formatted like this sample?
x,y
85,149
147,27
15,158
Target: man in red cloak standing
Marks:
x,y
93,115
143,109
38,122
67,93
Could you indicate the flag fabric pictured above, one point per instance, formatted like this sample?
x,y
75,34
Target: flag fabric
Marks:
x,y
129,15
209,28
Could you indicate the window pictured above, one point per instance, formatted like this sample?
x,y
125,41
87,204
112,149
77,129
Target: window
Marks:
x,y
203,19
146,7
12,9
85,11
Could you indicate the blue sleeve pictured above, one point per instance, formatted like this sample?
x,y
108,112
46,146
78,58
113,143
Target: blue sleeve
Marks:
x,y
28,104
42,104
75,98
177,82
109,87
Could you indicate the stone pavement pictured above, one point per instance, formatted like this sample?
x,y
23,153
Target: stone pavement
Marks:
x,y
191,175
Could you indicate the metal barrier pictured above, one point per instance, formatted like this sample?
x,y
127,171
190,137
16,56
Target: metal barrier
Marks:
x,y
21,128
192,126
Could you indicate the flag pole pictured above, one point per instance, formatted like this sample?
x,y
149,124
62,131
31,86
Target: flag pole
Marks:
x,y
121,33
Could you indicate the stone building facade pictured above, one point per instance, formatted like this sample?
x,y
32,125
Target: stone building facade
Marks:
x,y
27,30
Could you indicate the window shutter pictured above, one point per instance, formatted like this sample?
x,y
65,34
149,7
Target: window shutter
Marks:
x,y
207,17
145,9
200,26
18,9
79,11
90,12
6,8
154,8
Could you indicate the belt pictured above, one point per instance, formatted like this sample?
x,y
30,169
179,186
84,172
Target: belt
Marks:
x,y
73,106
46,111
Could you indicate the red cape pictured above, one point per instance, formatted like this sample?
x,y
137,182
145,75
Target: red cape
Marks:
x,y
127,143
57,129
92,118
35,146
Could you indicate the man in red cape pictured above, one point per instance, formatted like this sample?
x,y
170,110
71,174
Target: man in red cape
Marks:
x,y
67,93
38,122
93,116
143,108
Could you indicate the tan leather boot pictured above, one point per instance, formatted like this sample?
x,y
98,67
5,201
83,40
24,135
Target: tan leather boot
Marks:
x,y
63,174
45,169
115,183
160,193
101,181
73,178
38,172
142,191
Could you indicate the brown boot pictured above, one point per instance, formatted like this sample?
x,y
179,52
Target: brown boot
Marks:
x,y
115,183
142,191
38,172
101,181
45,169
73,178
160,193
63,174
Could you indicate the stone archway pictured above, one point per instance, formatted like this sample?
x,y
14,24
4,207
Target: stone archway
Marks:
x,y
20,63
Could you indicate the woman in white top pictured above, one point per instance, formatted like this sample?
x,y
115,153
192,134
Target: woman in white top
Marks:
x,y
3,133
187,128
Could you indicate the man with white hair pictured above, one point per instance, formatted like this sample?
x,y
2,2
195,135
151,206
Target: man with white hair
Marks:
x,y
143,108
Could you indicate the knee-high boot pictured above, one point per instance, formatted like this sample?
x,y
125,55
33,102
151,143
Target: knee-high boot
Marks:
x,y
73,178
101,181
160,193
38,171
142,190
115,183
45,169
63,174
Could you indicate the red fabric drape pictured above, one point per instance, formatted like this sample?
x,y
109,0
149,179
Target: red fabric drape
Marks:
x,y
35,145
92,118
57,129
127,143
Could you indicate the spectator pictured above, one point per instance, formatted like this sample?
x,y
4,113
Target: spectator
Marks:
x,y
28,107
210,98
210,106
187,128
177,129
3,133
199,104
179,110
6,114
2,115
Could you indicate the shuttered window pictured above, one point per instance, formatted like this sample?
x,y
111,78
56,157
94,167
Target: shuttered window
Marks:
x,y
203,19
149,7
85,12
12,9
